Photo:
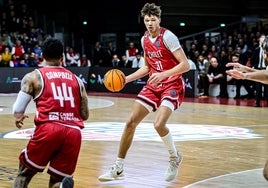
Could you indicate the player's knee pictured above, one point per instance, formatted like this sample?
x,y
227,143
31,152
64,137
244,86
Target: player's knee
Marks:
x,y
24,177
131,124
161,128
24,171
157,126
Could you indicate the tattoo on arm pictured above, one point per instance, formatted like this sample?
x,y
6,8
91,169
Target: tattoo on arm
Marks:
x,y
84,111
26,84
84,108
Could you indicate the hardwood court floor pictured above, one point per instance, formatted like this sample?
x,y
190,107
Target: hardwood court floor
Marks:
x,y
224,144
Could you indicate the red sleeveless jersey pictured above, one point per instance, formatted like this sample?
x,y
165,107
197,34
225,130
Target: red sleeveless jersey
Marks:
x,y
132,51
18,51
159,57
59,99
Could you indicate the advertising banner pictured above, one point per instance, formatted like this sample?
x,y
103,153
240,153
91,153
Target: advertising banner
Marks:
x,y
92,77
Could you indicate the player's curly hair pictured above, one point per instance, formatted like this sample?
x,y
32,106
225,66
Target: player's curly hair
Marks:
x,y
52,49
151,9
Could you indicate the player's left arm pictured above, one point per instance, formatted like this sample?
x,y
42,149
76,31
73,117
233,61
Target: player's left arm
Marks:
x,y
84,111
183,65
173,44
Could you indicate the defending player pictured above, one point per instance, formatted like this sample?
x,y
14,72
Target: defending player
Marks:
x,y
165,61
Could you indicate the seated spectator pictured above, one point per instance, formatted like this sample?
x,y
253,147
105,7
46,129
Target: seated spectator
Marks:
x,y
24,62
138,61
115,62
6,56
131,52
72,58
14,62
215,75
239,83
18,49
202,68
125,62
84,61
37,50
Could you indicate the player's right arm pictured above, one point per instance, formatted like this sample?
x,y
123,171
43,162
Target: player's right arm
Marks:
x,y
141,72
24,97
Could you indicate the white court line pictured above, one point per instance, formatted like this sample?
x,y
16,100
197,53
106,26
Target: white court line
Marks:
x,y
245,178
8,99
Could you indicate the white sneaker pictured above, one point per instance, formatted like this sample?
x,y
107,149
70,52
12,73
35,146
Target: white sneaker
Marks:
x,y
173,167
115,173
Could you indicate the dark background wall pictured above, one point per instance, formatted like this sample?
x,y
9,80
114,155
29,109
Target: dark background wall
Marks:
x,y
123,16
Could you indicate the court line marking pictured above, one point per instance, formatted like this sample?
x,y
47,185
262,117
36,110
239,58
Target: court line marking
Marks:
x,y
252,171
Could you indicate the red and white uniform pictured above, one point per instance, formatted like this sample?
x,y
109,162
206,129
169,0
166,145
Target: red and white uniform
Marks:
x,y
158,54
131,53
57,137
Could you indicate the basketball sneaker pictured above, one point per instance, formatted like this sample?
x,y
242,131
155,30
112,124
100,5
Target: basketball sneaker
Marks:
x,y
114,173
67,182
173,167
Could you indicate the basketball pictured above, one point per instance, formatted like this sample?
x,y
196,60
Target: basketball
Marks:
x,y
114,80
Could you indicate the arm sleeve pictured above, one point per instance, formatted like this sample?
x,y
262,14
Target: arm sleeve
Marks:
x,y
21,102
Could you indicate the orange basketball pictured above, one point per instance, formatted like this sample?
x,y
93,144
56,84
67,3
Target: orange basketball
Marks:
x,y
114,80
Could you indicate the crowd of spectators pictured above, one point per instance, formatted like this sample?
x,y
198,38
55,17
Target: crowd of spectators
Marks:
x,y
109,56
20,42
20,39
241,44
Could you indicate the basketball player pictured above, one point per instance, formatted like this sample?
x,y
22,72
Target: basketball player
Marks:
x,y
165,61
246,73
61,107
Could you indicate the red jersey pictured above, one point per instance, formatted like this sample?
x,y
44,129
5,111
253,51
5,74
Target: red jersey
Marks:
x,y
132,51
159,57
60,98
18,51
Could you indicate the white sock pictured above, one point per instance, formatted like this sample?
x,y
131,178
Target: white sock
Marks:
x,y
169,143
119,162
